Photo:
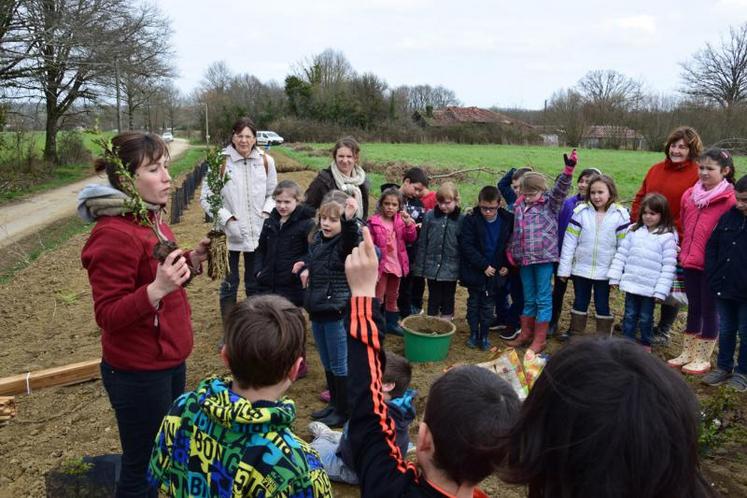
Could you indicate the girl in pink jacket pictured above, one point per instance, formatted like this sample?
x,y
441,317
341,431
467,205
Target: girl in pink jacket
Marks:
x,y
391,229
702,206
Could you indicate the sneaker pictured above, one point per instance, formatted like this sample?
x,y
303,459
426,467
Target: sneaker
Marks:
x,y
496,325
509,333
715,377
317,429
738,382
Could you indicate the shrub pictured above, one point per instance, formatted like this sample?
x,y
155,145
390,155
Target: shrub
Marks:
x,y
71,149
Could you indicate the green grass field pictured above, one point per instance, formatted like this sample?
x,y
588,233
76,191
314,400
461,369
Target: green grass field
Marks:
x,y
627,167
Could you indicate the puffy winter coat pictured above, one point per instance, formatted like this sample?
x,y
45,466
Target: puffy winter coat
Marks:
x,y
280,246
246,196
588,247
403,233
535,236
438,246
698,224
324,182
726,257
645,263
473,259
327,294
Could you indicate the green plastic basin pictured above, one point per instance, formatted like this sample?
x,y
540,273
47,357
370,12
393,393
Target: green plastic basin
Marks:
x,y
427,338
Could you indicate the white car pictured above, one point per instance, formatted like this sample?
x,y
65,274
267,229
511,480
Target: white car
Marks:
x,y
269,137
168,137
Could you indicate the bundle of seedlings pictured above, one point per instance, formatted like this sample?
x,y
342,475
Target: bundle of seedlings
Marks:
x,y
216,179
135,205
7,409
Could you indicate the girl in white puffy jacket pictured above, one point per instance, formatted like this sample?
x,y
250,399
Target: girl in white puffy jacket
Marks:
x,y
593,235
644,266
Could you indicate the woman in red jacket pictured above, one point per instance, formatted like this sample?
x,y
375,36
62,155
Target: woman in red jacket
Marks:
x,y
702,206
670,178
139,303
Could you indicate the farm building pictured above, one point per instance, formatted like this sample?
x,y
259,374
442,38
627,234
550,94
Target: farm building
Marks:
x,y
612,137
475,125
450,116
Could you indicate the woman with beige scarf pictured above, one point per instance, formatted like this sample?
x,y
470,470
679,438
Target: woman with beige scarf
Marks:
x,y
343,174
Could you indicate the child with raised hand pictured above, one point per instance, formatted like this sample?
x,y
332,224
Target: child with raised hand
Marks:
x,y
702,206
592,238
392,229
726,271
534,248
644,266
232,435
334,446
467,413
284,241
438,251
483,266
327,295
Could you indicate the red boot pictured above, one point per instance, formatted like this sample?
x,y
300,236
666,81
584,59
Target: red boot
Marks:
x,y
540,337
527,331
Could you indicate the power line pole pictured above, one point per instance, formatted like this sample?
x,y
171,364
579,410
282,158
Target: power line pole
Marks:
x,y
207,132
116,79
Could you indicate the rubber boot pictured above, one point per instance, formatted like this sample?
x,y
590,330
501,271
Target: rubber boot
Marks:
x,y
688,351
701,362
339,414
527,331
392,324
577,327
540,337
484,342
331,405
605,324
473,342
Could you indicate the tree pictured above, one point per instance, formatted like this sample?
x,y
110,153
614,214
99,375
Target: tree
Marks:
x,y
420,97
14,43
72,49
718,74
608,95
565,110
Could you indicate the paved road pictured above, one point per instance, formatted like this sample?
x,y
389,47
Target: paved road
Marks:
x,y
36,212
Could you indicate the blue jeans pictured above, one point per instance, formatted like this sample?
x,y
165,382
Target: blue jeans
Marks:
x,y
733,324
537,283
480,302
582,287
140,400
639,309
229,288
332,343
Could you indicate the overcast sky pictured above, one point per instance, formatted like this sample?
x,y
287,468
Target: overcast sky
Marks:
x,y
505,53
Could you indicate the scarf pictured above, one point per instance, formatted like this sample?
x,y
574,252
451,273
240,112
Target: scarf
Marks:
x,y
703,197
350,184
104,200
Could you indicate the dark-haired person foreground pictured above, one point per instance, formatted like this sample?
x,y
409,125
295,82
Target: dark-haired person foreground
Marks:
x,y
139,303
606,419
232,436
467,412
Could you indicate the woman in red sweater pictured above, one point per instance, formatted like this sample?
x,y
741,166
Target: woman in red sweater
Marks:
x,y
671,177
139,303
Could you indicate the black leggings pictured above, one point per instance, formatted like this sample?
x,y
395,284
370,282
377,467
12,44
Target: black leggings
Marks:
x,y
441,297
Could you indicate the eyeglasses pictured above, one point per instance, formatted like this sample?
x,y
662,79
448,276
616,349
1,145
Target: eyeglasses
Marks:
x,y
488,209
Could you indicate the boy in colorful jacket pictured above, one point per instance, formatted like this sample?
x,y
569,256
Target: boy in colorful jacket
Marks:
x,y
233,437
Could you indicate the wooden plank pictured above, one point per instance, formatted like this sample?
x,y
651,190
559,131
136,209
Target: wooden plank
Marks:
x,y
66,375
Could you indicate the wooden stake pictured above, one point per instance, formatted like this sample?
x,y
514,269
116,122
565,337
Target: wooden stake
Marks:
x,y
58,376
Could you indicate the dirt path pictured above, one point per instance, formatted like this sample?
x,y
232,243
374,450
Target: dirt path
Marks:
x,y
34,213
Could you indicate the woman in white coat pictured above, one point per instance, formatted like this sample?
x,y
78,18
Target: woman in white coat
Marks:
x,y
247,201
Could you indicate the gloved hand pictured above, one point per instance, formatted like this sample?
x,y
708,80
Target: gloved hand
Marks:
x,y
571,161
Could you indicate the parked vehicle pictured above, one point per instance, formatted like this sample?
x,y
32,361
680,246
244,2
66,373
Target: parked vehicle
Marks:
x,y
168,137
269,137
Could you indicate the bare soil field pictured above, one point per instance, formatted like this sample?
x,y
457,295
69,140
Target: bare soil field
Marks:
x,y
46,319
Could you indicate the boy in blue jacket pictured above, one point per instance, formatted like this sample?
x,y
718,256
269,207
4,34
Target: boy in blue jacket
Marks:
x,y
468,411
483,266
